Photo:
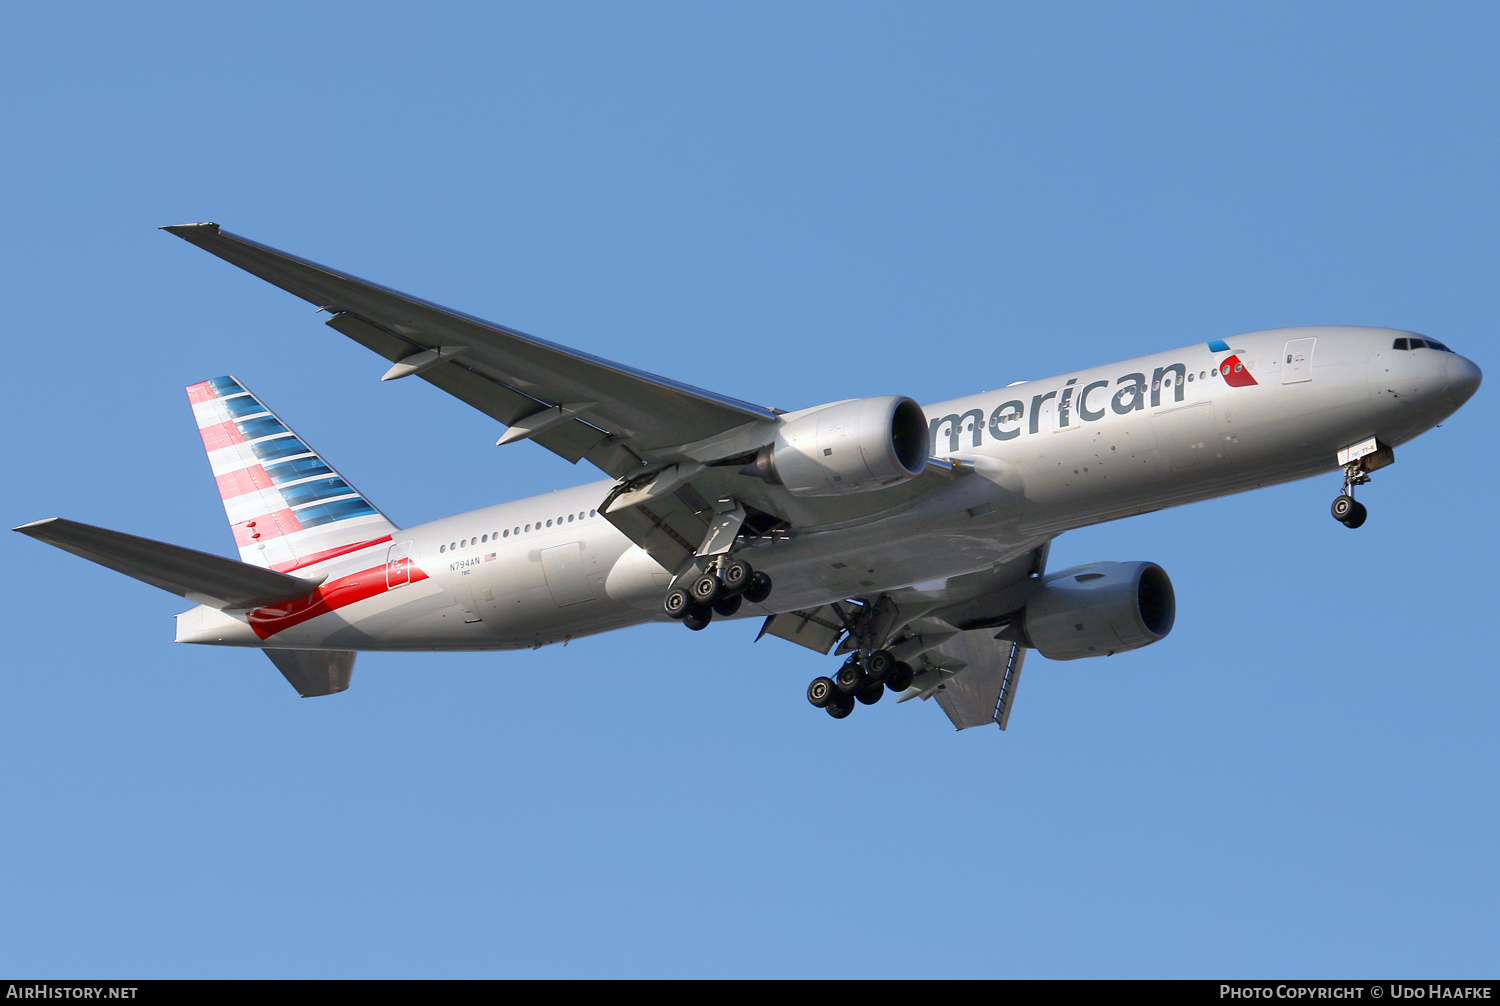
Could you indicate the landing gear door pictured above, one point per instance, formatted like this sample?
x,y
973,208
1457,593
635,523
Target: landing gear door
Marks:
x,y
398,565
1296,361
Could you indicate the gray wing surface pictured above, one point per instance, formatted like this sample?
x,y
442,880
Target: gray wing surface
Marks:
x,y
611,415
983,692
200,577
946,631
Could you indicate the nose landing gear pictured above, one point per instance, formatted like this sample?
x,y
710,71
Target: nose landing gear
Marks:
x,y
1346,509
1358,461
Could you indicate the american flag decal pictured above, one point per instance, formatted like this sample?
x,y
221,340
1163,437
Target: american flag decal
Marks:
x,y
489,557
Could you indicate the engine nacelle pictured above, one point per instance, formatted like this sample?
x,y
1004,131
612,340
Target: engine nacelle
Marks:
x,y
1100,609
848,447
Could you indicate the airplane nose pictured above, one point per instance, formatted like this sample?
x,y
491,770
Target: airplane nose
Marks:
x,y
1463,379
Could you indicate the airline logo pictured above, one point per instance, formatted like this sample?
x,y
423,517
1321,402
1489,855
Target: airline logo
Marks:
x,y
1232,368
287,508
1072,405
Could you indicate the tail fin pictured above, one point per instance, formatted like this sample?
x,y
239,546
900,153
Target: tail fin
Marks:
x,y
287,507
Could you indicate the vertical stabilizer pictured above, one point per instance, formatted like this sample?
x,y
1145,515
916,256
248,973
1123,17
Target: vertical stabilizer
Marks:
x,y
287,507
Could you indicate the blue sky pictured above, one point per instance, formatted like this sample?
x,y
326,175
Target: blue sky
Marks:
x,y
790,204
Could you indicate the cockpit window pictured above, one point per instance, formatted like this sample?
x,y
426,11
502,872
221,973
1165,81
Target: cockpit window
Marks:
x,y
1420,344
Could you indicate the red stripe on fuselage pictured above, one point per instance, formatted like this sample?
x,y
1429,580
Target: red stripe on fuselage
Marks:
x,y
328,598
287,567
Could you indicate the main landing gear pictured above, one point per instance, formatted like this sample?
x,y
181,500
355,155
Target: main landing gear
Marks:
x,y
859,681
1346,510
718,591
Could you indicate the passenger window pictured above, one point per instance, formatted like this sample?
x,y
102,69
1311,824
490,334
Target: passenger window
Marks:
x,y
442,548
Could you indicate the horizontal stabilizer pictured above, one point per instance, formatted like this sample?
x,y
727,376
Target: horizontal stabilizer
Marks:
x,y
198,576
315,672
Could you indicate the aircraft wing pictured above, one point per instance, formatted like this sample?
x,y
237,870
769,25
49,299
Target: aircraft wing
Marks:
x,y
980,677
945,629
576,405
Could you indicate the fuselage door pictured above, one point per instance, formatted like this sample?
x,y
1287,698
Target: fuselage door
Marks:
x,y
398,565
1296,361
566,578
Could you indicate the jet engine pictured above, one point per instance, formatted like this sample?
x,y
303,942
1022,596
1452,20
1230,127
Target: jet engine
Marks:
x,y
847,447
1100,609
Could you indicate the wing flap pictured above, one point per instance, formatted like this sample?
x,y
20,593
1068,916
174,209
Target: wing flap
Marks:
x,y
985,688
815,628
198,576
669,528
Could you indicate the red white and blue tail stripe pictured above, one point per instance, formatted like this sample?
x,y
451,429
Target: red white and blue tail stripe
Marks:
x,y
287,507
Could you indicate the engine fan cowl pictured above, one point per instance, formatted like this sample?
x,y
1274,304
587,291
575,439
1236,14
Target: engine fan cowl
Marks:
x,y
848,447
1100,609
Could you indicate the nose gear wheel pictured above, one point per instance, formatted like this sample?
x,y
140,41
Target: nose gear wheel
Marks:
x,y
1346,510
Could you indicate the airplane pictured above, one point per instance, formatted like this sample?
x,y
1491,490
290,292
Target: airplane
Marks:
x,y
911,540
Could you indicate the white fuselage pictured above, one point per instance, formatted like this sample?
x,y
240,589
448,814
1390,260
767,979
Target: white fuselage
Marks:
x,y
1043,457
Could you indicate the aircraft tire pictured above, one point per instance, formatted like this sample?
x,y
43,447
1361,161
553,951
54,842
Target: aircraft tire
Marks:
x,y
759,588
698,618
1343,507
736,575
871,695
1357,516
707,589
850,678
677,603
727,606
841,707
879,664
900,678
822,692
